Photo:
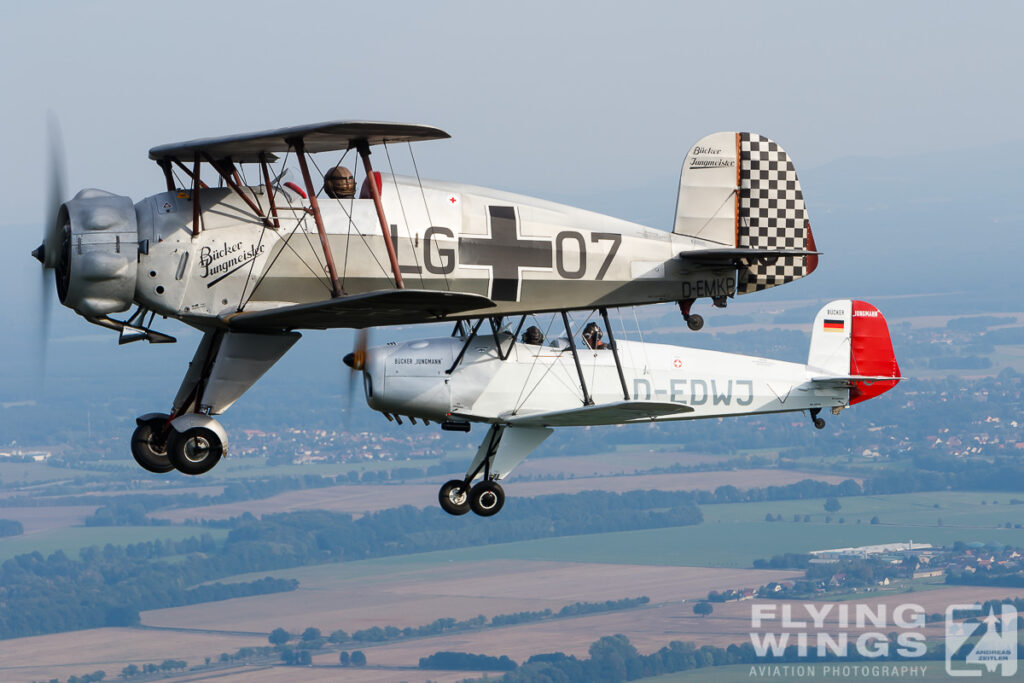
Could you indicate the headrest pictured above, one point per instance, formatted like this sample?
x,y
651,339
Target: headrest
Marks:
x,y
366,192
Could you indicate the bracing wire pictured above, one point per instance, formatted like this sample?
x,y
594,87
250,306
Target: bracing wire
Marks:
x,y
426,206
401,204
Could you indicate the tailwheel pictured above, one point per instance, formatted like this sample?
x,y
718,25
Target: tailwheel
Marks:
x,y
693,321
149,443
195,444
819,422
486,498
453,497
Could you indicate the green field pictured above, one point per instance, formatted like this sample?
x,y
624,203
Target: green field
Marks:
x,y
73,539
953,508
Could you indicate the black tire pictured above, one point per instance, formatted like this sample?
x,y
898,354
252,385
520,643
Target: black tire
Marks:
x,y
819,423
149,445
695,322
453,499
487,498
194,451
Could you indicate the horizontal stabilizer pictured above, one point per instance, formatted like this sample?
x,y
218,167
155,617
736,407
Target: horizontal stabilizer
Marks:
x,y
846,379
740,257
380,308
616,412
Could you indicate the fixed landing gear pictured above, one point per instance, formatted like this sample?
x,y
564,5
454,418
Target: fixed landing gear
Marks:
x,y
453,497
149,443
693,320
194,451
486,498
819,422
191,443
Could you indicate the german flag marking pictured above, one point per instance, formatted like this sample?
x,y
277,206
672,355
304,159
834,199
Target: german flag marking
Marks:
x,y
834,325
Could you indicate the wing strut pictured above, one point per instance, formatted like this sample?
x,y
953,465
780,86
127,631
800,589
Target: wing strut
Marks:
x,y
587,401
364,151
615,353
300,153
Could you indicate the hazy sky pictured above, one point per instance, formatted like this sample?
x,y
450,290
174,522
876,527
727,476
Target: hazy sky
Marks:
x,y
551,99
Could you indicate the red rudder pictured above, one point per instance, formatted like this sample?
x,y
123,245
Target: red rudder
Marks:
x,y
870,353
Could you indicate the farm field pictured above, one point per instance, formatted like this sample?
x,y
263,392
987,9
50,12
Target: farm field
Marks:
x,y
330,598
367,498
651,628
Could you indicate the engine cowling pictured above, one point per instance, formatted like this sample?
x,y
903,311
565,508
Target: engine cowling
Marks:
x,y
96,264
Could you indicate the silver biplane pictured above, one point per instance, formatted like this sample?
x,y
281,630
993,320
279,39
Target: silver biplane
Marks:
x,y
250,263
521,390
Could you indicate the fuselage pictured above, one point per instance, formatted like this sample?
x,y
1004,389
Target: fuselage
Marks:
x,y
412,379
525,254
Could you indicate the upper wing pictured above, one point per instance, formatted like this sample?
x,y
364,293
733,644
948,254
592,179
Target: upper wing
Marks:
x,y
616,412
317,137
384,307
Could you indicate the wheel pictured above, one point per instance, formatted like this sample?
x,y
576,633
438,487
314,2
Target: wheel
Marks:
x,y
195,450
453,498
486,498
819,423
149,443
695,322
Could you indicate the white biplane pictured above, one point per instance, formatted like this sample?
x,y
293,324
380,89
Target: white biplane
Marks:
x,y
249,263
523,390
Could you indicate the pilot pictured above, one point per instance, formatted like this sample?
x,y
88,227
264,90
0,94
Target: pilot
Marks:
x,y
533,335
339,183
592,336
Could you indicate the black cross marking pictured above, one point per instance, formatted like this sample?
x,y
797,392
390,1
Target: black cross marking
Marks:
x,y
505,253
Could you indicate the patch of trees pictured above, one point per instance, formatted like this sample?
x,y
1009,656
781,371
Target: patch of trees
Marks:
x,y
311,637
784,561
464,661
11,527
93,677
123,513
166,666
578,608
110,586
376,634
613,659
519,617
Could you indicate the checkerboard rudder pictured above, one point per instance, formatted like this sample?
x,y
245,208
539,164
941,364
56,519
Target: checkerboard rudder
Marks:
x,y
771,214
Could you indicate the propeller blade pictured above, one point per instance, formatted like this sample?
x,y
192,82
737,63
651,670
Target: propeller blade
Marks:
x,y
55,193
43,323
357,361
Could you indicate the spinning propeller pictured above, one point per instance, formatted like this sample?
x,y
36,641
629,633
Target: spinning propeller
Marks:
x,y
49,252
357,361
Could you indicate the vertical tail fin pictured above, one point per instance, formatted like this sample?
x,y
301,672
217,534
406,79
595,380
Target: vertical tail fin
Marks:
x,y
741,190
851,339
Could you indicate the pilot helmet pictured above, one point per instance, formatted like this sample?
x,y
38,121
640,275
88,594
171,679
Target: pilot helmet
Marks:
x,y
339,183
592,333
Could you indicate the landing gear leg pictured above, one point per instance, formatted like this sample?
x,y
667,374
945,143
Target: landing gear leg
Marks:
x,y
486,498
693,320
819,422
